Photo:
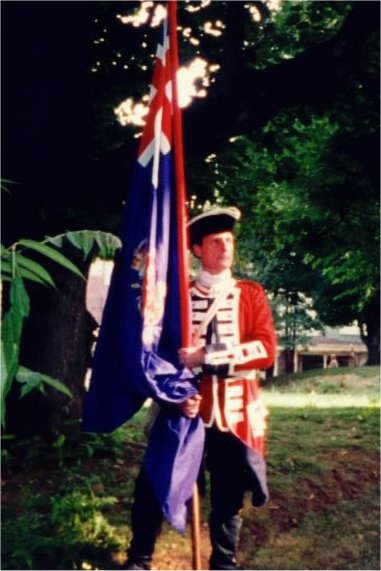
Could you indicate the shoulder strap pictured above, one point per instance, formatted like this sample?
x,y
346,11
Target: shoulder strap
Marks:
x,y
210,314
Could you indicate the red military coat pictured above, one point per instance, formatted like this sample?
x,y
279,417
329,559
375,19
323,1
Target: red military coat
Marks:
x,y
239,341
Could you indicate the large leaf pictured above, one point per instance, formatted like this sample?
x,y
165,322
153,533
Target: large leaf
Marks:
x,y
85,240
56,240
6,270
10,345
18,297
33,380
51,254
30,381
10,337
108,244
41,276
27,274
5,253
11,328
58,385
34,268
9,354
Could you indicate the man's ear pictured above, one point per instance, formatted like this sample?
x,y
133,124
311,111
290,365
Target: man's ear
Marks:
x,y
196,250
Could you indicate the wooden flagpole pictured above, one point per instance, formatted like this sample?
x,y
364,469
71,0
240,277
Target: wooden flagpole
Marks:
x,y
182,243
180,179
196,539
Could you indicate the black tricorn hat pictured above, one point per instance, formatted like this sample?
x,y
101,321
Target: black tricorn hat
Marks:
x,y
211,222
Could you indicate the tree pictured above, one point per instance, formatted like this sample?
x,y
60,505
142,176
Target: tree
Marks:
x,y
315,198
306,53
286,279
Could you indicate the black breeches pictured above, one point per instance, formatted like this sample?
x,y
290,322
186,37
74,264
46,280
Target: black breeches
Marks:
x,y
146,519
225,459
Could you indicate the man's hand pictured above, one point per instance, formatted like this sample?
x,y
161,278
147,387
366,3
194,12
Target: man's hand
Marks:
x,y
191,406
192,357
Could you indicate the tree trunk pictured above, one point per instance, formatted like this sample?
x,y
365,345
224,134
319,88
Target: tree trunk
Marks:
x,y
56,341
289,360
370,331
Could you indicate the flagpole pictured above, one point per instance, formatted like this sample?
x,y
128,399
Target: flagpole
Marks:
x,y
182,240
180,181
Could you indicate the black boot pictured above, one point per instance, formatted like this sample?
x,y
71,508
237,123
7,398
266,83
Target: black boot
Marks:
x,y
146,520
224,534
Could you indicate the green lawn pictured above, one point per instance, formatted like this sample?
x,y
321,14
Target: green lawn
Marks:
x,y
66,506
323,468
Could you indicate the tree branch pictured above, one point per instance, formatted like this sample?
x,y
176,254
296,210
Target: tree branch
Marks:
x,y
314,77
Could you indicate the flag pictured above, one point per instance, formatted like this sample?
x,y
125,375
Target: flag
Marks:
x,y
143,321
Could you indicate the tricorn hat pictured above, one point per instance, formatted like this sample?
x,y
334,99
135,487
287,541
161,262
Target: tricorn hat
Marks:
x,y
211,222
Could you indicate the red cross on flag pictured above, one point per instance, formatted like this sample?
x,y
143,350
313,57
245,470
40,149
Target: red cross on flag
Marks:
x,y
157,133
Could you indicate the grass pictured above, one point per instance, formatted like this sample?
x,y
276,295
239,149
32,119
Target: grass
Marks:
x,y
324,511
67,506
323,468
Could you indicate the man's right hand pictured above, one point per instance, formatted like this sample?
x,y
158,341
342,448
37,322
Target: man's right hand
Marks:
x,y
191,406
192,357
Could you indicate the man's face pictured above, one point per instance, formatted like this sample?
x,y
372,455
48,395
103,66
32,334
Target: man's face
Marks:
x,y
216,252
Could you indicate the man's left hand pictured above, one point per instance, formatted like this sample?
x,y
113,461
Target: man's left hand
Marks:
x,y
191,406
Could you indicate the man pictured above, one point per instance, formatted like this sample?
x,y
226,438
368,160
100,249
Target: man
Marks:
x,y
232,338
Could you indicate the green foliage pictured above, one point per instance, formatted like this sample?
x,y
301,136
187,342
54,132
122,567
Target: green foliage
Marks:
x,y
12,325
307,196
17,267
286,278
77,518
294,319
24,537
70,514
89,242
296,27
58,530
31,380
52,254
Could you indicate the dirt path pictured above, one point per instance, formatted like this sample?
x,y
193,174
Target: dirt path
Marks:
x,y
175,552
